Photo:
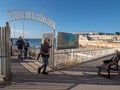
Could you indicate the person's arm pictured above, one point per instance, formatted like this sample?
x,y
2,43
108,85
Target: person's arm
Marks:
x,y
44,53
17,43
28,45
114,57
23,42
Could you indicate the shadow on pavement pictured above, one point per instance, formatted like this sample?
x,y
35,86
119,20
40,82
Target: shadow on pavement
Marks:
x,y
85,73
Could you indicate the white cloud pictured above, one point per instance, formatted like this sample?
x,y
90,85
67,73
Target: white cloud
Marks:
x,y
16,33
27,34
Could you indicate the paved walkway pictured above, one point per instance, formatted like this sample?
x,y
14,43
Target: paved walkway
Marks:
x,y
78,77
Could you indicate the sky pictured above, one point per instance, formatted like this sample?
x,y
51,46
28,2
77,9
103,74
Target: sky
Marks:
x,y
69,16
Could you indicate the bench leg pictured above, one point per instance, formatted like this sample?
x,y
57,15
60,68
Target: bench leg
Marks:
x,y
117,66
108,73
99,71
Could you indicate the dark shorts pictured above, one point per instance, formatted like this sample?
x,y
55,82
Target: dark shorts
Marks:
x,y
107,61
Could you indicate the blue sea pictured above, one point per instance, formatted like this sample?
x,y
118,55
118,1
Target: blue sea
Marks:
x,y
32,42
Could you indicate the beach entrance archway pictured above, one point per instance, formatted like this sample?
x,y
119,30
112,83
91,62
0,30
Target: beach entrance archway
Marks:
x,y
13,15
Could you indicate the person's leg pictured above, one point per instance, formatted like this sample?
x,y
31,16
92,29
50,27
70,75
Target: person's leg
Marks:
x,y
21,54
18,53
39,68
26,52
45,64
107,61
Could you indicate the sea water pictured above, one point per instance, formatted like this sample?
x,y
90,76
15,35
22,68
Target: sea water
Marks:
x,y
32,41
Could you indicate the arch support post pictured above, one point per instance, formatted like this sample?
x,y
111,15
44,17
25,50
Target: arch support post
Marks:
x,y
53,45
5,69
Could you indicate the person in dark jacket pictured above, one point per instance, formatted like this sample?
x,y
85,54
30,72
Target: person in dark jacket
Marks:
x,y
115,56
26,46
44,51
20,45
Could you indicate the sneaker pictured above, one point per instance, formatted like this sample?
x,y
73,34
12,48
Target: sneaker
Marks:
x,y
39,70
44,73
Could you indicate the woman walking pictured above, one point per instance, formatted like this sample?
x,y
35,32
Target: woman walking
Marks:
x,y
44,51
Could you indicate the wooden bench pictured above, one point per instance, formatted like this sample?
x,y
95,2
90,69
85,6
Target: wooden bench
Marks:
x,y
108,67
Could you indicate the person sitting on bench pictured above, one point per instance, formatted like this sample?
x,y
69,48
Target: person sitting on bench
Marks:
x,y
116,55
107,64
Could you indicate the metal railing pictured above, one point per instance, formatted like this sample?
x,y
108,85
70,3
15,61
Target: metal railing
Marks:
x,y
34,51
73,56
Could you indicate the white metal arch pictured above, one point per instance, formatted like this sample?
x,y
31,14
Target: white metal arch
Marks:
x,y
13,15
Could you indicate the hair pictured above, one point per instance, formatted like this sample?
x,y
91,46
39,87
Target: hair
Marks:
x,y
45,40
20,37
116,51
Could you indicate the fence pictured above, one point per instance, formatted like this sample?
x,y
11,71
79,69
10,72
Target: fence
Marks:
x,y
33,51
73,56
65,58
4,52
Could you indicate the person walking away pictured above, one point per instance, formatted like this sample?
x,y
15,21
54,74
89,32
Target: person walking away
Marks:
x,y
20,45
44,51
26,46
